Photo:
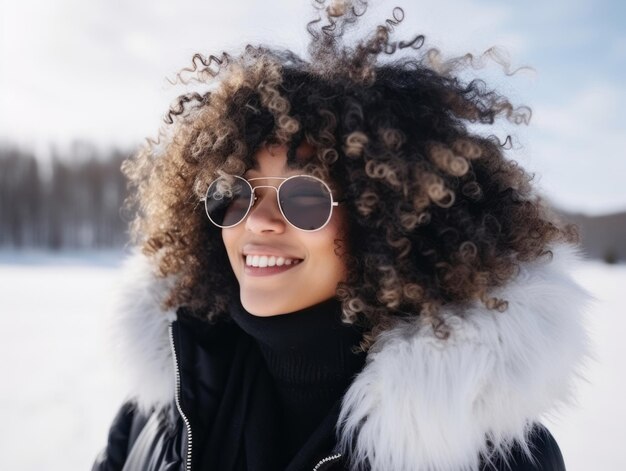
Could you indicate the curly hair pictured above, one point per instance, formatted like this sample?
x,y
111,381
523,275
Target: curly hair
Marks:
x,y
436,214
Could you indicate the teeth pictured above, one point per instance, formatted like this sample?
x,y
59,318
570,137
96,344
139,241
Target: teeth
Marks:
x,y
263,261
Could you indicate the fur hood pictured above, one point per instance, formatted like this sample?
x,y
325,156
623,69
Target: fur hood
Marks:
x,y
420,403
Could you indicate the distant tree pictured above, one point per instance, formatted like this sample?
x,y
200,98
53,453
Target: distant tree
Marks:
x,y
610,256
78,206
19,185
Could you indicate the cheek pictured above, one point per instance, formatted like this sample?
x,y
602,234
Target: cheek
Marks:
x,y
229,238
331,248
339,229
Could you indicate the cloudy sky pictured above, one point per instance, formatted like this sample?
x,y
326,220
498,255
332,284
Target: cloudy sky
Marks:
x,y
97,69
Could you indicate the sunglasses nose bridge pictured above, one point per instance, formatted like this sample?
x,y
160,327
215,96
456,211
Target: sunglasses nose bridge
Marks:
x,y
253,194
254,197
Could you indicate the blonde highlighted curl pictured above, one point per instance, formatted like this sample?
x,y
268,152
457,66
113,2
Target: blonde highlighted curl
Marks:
x,y
436,213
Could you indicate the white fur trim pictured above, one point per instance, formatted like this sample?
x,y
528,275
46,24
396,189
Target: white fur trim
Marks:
x,y
140,331
422,403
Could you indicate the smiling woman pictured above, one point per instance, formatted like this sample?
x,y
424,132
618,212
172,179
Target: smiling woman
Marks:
x,y
265,244
333,272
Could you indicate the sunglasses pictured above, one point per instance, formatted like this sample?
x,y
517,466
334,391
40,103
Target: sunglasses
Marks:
x,y
305,202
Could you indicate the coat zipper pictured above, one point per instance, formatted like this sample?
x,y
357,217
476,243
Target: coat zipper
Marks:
x,y
317,467
177,397
327,460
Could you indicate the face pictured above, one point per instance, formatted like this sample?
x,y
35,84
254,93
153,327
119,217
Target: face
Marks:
x,y
311,269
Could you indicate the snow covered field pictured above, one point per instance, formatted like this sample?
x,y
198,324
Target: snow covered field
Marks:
x,y
60,390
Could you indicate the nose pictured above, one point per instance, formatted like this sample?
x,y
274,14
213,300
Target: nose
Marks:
x,y
265,215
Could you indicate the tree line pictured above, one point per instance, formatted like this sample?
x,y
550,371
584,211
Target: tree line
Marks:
x,y
72,201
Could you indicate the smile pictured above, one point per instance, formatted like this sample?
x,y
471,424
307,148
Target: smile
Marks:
x,y
263,261
267,265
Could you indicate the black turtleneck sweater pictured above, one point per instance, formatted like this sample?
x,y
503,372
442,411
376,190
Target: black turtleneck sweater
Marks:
x,y
287,378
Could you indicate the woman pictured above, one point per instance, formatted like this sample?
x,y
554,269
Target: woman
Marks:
x,y
335,273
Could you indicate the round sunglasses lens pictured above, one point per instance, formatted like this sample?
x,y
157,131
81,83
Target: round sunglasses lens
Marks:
x,y
227,203
306,202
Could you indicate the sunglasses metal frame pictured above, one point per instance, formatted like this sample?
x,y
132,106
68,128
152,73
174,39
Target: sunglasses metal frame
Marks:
x,y
254,197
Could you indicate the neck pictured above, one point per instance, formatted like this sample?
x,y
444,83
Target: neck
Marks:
x,y
309,354
310,347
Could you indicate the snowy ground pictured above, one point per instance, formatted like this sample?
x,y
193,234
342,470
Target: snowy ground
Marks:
x,y
60,391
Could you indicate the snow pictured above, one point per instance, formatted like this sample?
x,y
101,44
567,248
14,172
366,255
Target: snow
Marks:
x,y
60,389
592,435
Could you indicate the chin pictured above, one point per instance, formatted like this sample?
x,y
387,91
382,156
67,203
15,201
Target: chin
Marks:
x,y
262,313
262,309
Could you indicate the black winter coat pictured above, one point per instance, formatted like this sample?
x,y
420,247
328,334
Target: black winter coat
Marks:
x,y
159,440
486,361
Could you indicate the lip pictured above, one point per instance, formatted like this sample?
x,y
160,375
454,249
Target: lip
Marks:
x,y
255,249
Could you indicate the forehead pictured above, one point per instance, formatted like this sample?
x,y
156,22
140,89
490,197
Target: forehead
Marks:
x,y
272,160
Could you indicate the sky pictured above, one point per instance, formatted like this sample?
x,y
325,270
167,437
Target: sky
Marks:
x,y
97,70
